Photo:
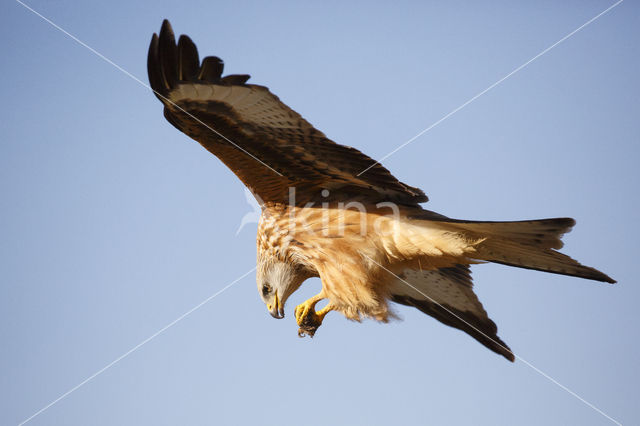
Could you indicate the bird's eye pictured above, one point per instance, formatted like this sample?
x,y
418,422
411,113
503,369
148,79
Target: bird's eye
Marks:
x,y
266,289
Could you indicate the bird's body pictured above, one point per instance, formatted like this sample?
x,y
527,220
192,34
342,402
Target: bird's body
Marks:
x,y
329,211
351,248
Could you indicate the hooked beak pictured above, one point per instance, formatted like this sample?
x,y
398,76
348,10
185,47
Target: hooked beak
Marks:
x,y
276,310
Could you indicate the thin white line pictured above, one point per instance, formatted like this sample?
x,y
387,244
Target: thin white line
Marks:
x,y
135,348
492,86
198,306
499,344
97,373
101,56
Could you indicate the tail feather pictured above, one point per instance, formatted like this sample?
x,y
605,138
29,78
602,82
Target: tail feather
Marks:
x,y
544,233
528,244
547,260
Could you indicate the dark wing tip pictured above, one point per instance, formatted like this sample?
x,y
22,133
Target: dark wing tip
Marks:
x,y
508,354
211,69
484,330
235,79
188,59
166,28
169,63
168,55
154,69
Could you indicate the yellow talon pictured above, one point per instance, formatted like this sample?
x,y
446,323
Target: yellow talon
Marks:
x,y
308,319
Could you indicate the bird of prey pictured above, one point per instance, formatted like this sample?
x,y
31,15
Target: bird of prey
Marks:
x,y
364,235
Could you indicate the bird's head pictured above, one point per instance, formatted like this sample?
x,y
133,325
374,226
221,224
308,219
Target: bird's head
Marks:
x,y
277,280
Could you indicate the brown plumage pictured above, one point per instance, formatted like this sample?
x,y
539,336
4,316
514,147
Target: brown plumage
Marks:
x,y
266,144
364,234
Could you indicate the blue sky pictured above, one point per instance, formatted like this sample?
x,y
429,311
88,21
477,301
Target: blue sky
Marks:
x,y
114,224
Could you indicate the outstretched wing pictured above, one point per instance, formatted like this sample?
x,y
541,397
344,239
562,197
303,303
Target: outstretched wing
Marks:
x,y
266,144
447,295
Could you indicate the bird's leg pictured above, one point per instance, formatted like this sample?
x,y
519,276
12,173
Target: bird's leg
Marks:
x,y
307,318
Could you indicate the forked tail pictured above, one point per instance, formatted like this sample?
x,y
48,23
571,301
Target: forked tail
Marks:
x,y
530,244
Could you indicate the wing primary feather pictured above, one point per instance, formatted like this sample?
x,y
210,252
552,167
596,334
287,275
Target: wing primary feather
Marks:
x,y
235,79
154,70
483,330
188,59
257,123
447,295
211,69
168,58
